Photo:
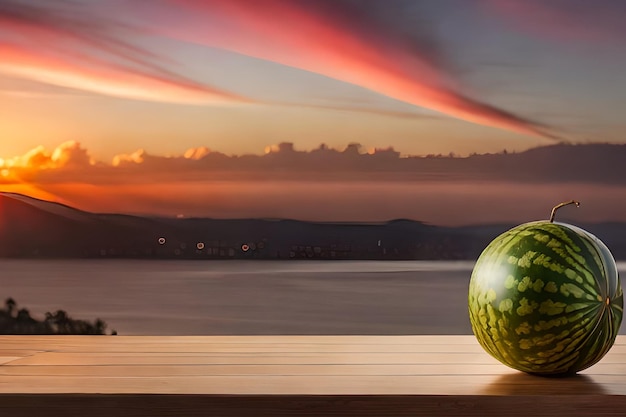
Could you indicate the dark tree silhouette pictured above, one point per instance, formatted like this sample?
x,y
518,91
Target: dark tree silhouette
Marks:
x,y
54,323
10,305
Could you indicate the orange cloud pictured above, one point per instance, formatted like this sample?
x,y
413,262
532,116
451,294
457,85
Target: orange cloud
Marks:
x,y
197,153
328,184
140,156
108,79
69,154
41,44
136,157
557,163
306,35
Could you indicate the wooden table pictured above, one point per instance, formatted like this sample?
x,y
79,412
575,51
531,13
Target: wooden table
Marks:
x,y
289,375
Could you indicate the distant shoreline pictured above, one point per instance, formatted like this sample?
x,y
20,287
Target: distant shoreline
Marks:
x,y
34,229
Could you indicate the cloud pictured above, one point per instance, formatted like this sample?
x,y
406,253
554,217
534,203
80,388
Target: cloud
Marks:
x,y
329,184
136,157
69,158
197,153
72,47
359,109
107,78
593,22
342,40
69,154
193,159
557,164
387,49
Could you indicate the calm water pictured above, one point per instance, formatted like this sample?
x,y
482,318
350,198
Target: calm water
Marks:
x,y
248,297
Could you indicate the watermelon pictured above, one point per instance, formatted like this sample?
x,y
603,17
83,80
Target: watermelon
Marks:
x,y
545,298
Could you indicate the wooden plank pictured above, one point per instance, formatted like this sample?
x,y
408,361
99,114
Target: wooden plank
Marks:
x,y
288,339
54,342
79,359
329,373
17,352
277,385
252,369
256,358
10,355
444,385
238,369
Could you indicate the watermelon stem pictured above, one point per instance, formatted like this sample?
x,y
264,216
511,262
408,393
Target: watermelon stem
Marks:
x,y
555,208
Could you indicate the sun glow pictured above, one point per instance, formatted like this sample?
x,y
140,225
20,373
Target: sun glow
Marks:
x,y
32,191
18,174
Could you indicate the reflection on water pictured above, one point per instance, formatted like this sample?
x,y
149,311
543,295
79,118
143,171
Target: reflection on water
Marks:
x,y
248,297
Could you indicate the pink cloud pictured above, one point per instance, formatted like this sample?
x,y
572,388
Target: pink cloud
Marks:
x,y
306,36
42,44
108,79
78,48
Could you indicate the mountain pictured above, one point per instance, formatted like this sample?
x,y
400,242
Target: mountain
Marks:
x,y
36,228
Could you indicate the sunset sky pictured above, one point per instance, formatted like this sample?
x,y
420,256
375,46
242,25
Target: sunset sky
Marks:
x,y
89,87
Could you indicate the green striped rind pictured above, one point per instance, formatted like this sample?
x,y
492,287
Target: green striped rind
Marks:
x,y
545,298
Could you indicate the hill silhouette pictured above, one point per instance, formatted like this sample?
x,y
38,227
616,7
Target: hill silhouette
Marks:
x,y
32,228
